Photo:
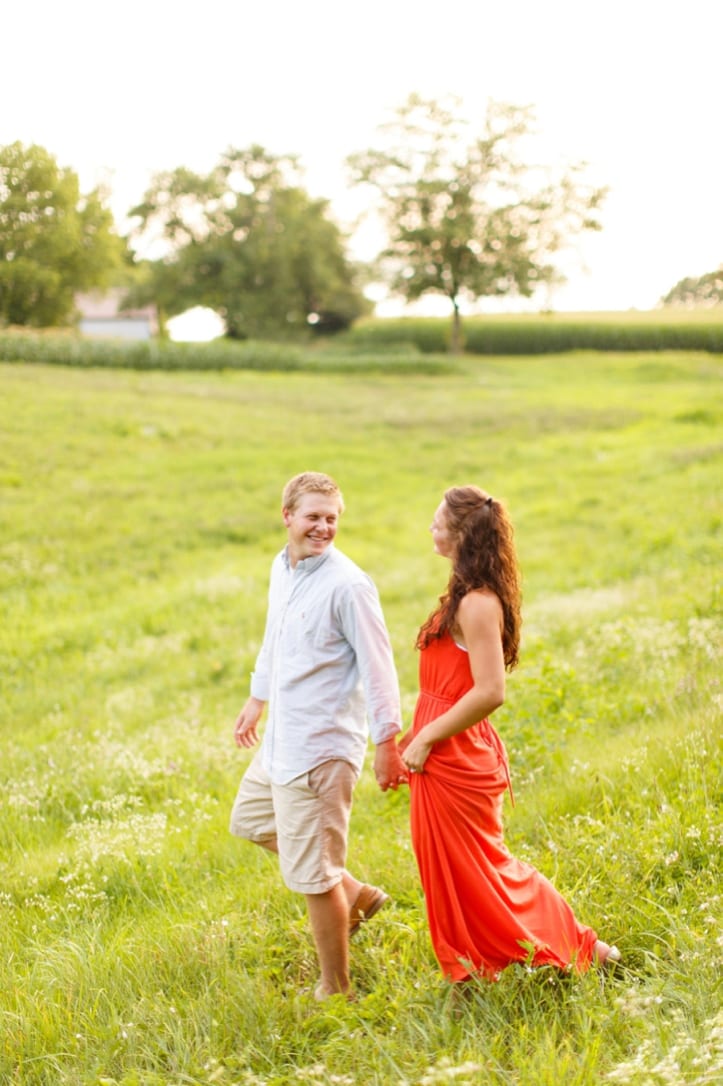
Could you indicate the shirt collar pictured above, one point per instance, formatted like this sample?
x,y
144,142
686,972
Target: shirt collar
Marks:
x,y
306,565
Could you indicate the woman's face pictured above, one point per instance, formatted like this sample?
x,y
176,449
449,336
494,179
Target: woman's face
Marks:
x,y
441,535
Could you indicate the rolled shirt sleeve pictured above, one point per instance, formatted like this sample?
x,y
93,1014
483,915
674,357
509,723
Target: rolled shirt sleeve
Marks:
x,y
365,629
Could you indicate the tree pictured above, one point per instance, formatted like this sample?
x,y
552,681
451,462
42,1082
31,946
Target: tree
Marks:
x,y
467,217
705,291
53,240
249,242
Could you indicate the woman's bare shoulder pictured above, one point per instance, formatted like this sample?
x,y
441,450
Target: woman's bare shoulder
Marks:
x,y
479,601
479,611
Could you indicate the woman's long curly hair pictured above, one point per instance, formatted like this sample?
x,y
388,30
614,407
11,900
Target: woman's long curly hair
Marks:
x,y
484,557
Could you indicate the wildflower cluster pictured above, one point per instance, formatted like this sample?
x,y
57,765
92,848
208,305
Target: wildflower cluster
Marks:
x,y
695,1060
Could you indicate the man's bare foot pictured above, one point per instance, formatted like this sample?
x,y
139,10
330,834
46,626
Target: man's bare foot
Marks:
x,y
322,993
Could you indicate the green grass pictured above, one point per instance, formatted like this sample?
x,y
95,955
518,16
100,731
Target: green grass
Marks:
x,y
332,355
392,346
140,944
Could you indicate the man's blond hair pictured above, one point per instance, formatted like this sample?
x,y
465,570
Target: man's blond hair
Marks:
x,y
310,482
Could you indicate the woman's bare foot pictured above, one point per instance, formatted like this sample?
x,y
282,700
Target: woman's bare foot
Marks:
x,y
602,954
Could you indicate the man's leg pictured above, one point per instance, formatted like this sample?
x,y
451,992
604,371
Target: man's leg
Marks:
x,y
351,886
312,815
329,918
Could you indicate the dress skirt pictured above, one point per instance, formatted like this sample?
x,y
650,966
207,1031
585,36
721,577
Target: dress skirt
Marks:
x,y
485,908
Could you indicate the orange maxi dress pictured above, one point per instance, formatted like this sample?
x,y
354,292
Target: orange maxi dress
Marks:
x,y
485,908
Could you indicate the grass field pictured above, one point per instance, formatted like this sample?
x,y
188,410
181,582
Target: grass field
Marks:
x,y
140,944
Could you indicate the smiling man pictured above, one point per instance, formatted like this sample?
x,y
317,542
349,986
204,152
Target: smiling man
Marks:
x,y
326,672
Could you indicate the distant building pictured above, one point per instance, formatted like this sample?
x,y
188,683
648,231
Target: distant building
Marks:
x,y
101,316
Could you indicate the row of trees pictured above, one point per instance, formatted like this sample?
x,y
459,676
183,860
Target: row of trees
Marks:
x,y
467,215
691,292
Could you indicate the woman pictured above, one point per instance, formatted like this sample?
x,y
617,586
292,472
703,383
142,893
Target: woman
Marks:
x,y
485,908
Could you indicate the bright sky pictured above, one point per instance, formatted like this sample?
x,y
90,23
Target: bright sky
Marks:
x,y
118,91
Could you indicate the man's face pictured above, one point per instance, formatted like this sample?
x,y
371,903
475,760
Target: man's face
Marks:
x,y
311,526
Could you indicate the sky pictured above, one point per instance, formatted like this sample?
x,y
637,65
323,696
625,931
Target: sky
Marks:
x,y
119,91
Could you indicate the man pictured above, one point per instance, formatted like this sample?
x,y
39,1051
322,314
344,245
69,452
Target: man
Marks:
x,y
325,657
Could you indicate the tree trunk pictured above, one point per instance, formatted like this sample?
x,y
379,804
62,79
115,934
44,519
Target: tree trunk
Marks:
x,y
162,334
455,343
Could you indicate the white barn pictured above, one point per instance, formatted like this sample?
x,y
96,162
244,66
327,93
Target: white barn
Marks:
x,y
100,316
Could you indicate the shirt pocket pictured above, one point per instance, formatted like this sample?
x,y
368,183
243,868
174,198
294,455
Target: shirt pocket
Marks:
x,y
301,631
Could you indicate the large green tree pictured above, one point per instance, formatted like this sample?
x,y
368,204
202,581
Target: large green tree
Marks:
x,y
54,241
248,241
466,215
703,290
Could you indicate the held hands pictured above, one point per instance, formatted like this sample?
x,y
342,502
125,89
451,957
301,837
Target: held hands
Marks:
x,y
389,769
244,732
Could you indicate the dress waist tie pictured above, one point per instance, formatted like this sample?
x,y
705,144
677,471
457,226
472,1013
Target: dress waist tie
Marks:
x,y
490,735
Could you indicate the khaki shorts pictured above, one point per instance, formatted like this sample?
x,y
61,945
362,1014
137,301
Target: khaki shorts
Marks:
x,y
308,819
